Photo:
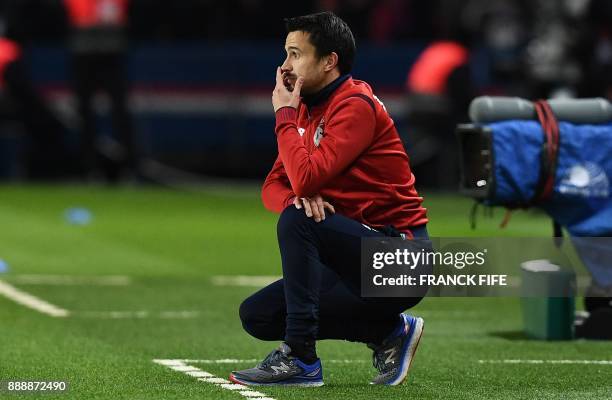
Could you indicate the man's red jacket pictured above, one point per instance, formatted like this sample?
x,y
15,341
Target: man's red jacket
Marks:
x,y
346,149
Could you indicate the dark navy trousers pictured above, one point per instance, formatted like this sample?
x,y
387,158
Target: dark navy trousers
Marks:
x,y
319,295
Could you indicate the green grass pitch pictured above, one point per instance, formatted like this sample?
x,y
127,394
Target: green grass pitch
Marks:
x,y
171,243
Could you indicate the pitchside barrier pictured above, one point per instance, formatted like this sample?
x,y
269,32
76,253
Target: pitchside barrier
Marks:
x,y
555,156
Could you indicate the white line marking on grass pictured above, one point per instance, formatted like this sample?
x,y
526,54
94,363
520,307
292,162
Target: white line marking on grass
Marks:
x,y
178,314
108,280
253,360
214,379
232,386
581,362
199,374
222,361
244,280
137,314
251,394
31,301
168,363
184,368
207,377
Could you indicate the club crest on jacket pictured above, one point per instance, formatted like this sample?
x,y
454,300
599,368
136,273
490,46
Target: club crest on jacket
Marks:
x,y
319,132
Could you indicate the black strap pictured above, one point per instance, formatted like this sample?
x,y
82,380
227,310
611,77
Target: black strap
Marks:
x,y
366,98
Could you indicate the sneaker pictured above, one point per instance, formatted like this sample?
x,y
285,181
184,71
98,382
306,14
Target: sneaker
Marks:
x,y
394,356
279,368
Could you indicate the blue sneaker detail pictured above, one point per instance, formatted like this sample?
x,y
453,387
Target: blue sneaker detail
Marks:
x,y
314,370
394,356
279,368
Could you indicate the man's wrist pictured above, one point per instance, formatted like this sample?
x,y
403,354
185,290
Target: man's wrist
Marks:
x,y
285,113
290,200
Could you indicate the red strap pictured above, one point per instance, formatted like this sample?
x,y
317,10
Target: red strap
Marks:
x,y
550,128
548,161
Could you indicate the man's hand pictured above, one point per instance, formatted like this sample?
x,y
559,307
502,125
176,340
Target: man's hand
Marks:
x,y
281,96
314,207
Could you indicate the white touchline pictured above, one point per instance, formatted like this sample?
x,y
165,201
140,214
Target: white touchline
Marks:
x,y
580,362
199,374
221,361
244,280
104,280
252,360
207,377
31,301
184,314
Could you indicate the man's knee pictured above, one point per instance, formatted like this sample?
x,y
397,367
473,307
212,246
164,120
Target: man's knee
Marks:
x,y
248,316
254,320
291,219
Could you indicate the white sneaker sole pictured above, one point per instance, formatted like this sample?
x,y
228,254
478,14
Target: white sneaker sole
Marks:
x,y
419,326
233,379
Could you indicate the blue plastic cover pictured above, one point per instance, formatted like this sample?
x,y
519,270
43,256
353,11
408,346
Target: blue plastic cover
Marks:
x,y
581,200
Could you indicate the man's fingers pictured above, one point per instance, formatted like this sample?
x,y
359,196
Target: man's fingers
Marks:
x,y
320,207
307,208
315,210
329,207
297,88
315,207
279,77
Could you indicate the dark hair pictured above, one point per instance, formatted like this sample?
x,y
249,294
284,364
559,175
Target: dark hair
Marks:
x,y
328,33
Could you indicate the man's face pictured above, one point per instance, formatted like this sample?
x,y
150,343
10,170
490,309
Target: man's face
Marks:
x,y
302,61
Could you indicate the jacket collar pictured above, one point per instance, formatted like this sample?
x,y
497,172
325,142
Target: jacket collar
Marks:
x,y
323,94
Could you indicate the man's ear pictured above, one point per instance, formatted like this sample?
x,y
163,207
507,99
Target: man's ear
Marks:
x,y
331,61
